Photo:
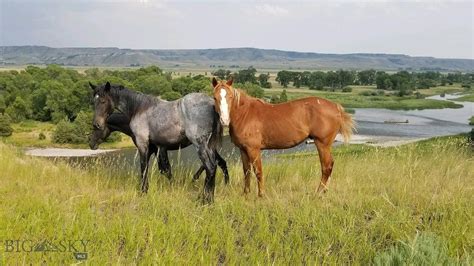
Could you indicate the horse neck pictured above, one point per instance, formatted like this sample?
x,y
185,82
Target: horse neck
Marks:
x,y
240,106
119,122
129,102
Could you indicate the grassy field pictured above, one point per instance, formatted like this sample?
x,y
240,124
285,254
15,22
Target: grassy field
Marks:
x,y
411,203
466,98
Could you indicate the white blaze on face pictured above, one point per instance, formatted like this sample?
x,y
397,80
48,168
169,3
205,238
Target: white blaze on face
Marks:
x,y
225,118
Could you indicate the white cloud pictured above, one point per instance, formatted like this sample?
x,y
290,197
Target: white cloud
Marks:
x,y
272,10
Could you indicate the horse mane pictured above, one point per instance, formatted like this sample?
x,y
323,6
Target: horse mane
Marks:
x,y
239,92
135,101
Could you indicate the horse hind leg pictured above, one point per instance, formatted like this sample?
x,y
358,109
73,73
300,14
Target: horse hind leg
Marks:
x,y
164,163
145,154
208,159
327,163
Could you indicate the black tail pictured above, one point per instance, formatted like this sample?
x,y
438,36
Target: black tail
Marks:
x,y
217,132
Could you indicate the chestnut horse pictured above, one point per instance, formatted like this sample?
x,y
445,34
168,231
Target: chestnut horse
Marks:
x,y
255,125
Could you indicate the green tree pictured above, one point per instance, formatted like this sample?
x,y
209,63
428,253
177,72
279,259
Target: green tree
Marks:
x,y
263,80
345,78
246,75
58,100
317,80
252,89
5,126
222,74
18,110
181,85
154,85
3,106
200,85
332,79
284,77
366,77
380,80
38,105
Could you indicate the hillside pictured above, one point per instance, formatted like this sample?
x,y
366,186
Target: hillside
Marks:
x,y
225,57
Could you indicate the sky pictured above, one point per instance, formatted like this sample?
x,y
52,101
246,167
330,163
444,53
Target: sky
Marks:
x,y
437,28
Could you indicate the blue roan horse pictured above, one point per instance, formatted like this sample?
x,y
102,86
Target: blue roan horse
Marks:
x,y
174,124
119,122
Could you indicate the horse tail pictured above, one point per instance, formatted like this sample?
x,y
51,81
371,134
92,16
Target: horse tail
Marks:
x,y
347,124
217,132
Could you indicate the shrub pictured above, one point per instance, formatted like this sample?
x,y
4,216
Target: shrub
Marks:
x,y
466,85
426,249
372,93
171,96
346,89
5,126
252,89
41,136
66,132
76,132
114,137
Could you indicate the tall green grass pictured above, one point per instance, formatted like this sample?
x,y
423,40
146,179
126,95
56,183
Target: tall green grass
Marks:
x,y
378,200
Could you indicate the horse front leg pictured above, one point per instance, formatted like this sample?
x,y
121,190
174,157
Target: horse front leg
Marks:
x,y
246,168
207,157
223,165
198,173
255,159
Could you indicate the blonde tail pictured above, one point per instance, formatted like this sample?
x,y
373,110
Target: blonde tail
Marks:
x,y
347,124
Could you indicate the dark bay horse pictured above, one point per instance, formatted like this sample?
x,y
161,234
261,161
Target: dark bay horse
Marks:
x,y
119,122
189,120
255,125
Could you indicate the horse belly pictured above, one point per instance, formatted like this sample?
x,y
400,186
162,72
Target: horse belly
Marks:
x,y
282,140
168,136
283,134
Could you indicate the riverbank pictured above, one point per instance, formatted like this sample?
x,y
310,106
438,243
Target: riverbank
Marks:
x,y
64,152
378,200
377,141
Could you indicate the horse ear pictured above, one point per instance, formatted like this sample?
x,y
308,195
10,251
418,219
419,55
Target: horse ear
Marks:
x,y
107,87
230,81
214,82
92,86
